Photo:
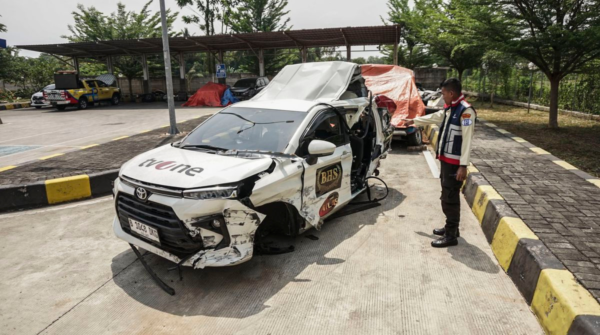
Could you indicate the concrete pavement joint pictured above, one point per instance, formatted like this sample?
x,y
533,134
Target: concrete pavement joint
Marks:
x,y
89,295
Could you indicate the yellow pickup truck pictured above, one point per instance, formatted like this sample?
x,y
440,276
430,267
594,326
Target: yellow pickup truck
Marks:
x,y
70,91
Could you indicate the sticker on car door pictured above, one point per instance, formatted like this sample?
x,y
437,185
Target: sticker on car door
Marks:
x,y
329,178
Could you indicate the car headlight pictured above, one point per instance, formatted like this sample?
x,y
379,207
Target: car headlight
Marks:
x,y
225,192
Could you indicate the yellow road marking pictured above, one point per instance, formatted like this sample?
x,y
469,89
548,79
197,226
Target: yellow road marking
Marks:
x,y
144,131
539,151
68,188
502,131
119,138
507,236
51,156
558,299
89,146
6,168
565,165
491,125
518,139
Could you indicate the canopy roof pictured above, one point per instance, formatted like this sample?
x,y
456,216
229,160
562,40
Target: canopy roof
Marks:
x,y
327,37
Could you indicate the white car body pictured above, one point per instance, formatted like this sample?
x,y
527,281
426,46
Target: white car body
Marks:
x,y
38,100
159,185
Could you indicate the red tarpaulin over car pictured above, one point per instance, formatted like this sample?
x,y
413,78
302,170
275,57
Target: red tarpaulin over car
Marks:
x,y
207,95
398,84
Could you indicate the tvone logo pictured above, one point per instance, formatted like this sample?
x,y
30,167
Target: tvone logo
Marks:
x,y
172,166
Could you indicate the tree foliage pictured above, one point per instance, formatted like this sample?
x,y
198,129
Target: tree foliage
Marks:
x,y
559,37
2,27
262,16
93,25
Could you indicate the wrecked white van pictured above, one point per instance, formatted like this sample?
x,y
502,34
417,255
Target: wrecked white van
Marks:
x,y
283,161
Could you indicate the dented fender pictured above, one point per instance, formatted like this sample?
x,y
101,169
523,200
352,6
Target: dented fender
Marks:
x,y
242,223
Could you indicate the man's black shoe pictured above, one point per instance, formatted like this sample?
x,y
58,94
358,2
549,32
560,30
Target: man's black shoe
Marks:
x,y
446,241
442,232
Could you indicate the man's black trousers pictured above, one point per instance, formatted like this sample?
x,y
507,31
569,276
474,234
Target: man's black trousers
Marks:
x,y
450,196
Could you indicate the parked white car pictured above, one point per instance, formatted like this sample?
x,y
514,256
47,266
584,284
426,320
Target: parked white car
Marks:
x,y
283,161
37,99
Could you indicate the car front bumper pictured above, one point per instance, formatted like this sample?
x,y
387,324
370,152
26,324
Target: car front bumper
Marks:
x,y
235,244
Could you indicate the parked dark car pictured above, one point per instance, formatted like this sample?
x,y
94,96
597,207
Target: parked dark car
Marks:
x,y
246,88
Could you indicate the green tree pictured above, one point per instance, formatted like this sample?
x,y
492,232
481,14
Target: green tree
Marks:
x,y
2,27
261,16
412,51
559,37
498,66
93,25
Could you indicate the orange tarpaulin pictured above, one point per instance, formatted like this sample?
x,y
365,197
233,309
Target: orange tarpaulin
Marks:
x,y
398,84
207,95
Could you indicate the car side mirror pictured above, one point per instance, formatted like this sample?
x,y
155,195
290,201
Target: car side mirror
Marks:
x,y
318,148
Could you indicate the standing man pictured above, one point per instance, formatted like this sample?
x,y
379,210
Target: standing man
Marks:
x,y
456,121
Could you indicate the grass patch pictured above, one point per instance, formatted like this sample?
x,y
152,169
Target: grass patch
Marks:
x,y
577,141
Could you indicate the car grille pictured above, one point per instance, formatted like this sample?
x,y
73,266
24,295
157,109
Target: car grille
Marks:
x,y
172,232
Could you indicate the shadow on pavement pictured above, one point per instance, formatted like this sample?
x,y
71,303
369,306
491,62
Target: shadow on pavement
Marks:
x,y
243,290
468,254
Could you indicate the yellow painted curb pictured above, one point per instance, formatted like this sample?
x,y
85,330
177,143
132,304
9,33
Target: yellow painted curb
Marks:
x,y
68,188
491,125
539,151
520,140
10,107
509,232
51,156
502,131
119,138
558,299
565,165
471,169
594,181
6,168
89,146
484,194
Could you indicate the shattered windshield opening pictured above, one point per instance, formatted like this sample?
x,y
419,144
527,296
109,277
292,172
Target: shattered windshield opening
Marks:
x,y
245,83
252,129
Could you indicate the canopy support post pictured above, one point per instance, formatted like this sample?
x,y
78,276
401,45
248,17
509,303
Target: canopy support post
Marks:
x,y
261,63
222,61
183,89
146,73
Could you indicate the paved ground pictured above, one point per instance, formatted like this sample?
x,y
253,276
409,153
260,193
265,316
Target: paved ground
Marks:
x,y
370,273
104,157
30,133
559,206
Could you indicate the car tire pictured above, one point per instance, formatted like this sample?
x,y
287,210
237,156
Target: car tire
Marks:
x,y
115,99
83,103
61,107
415,139
38,107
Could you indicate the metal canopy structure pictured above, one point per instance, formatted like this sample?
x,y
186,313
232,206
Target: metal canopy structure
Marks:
x,y
219,44
308,38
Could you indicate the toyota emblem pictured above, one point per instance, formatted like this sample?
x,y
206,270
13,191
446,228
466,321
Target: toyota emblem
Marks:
x,y
141,193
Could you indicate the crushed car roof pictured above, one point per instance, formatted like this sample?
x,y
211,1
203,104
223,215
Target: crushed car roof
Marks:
x,y
293,105
316,82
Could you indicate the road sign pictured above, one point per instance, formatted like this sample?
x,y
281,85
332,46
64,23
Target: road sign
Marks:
x,y
2,43
221,71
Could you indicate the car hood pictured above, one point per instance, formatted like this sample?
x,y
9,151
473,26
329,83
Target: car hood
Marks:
x,y
181,168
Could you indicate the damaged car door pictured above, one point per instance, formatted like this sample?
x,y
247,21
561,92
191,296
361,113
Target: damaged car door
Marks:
x,y
326,180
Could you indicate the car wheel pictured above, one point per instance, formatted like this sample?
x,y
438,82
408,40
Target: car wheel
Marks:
x,y
415,139
61,107
38,107
115,99
83,103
